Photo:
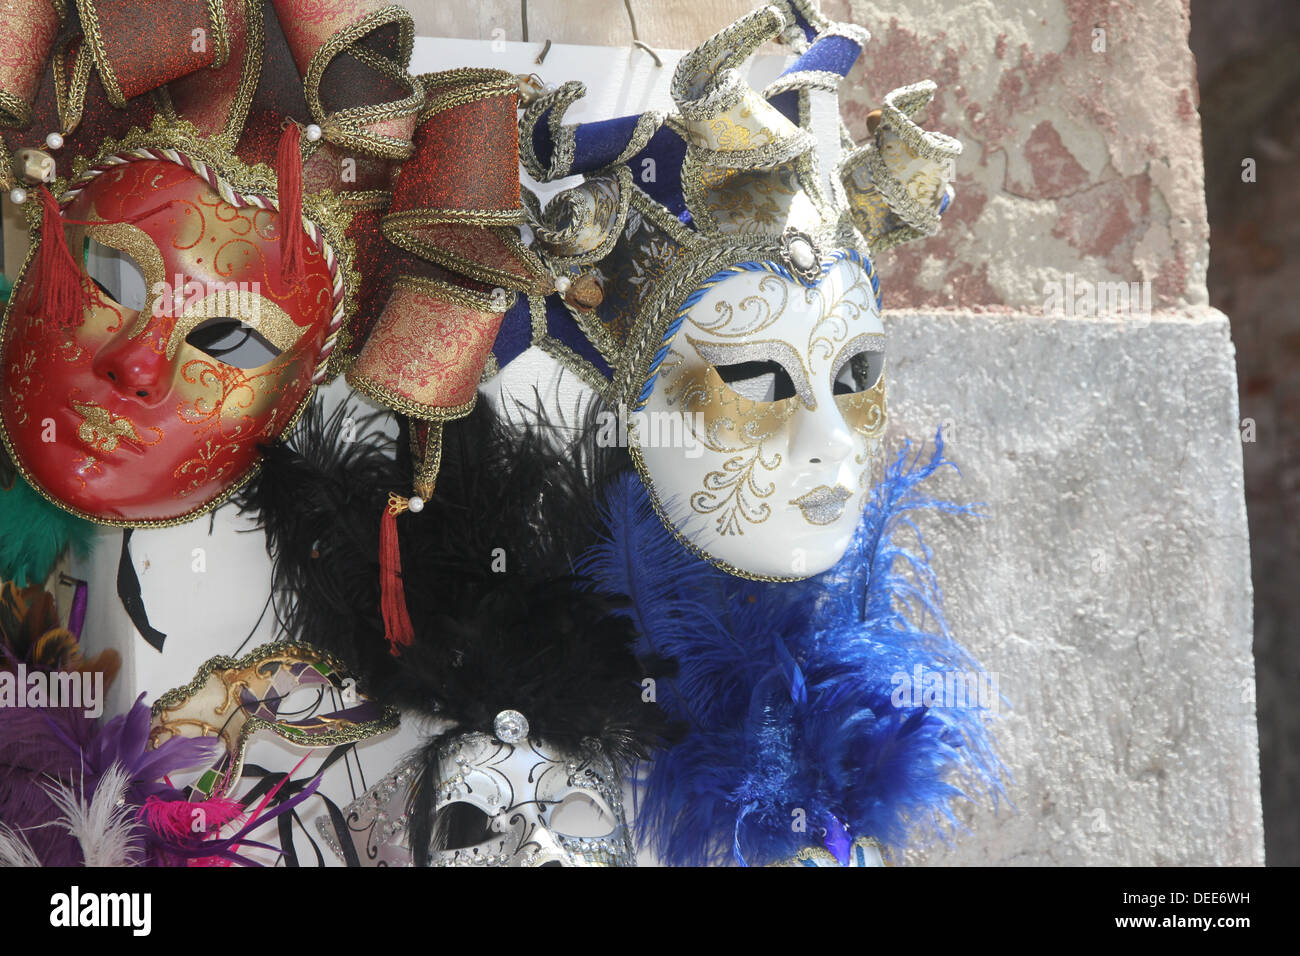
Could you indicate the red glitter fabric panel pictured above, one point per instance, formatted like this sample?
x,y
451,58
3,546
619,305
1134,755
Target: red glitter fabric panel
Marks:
x,y
477,249
207,98
27,32
466,159
377,260
144,46
427,350
99,120
343,41
279,96
308,24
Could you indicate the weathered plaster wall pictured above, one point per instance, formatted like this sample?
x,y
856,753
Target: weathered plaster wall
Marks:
x,y
1077,159
1107,588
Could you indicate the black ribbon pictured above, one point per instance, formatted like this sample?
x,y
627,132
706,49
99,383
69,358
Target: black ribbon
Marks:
x,y
284,824
128,591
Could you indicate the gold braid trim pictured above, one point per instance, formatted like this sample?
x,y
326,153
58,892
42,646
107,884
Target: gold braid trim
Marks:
x,y
13,111
348,128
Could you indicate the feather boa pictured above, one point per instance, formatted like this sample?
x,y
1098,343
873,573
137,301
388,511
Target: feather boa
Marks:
x,y
499,620
788,689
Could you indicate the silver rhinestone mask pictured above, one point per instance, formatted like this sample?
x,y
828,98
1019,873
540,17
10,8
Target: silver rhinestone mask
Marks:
x,y
498,804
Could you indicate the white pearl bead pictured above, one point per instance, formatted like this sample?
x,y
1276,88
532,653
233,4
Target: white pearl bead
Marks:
x,y
562,284
415,503
18,195
314,133
801,254
54,141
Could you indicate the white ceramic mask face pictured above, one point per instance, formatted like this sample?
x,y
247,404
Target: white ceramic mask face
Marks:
x,y
528,804
782,391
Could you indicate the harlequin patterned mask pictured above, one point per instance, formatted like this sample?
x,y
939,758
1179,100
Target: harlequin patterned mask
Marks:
x,y
715,284
232,700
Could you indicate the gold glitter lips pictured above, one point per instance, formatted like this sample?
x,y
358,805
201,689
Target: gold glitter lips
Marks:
x,y
823,504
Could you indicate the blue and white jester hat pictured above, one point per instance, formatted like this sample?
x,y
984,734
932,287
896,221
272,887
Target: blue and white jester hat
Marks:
x,y
671,207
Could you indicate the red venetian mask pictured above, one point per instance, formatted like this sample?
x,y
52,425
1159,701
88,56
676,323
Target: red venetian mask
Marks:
x,y
155,406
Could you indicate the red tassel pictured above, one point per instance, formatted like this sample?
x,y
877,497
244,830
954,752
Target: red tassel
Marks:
x,y
64,296
392,599
288,170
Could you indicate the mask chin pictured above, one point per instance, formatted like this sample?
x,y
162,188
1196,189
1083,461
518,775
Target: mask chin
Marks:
x,y
764,424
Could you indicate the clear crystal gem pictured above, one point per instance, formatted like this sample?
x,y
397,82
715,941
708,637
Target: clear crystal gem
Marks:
x,y
510,726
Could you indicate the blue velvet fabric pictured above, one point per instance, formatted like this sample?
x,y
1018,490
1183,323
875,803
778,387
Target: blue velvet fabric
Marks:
x,y
787,104
668,150
516,333
599,143
542,145
561,326
830,54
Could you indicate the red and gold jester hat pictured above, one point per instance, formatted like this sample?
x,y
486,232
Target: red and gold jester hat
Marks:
x,y
232,202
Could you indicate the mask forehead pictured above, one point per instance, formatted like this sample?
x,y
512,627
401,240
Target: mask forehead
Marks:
x,y
755,303
202,237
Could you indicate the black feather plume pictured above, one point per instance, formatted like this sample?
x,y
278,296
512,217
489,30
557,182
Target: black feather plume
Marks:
x,y
501,620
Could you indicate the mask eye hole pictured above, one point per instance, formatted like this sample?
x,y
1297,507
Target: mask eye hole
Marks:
x,y
765,381
460,825
581,815
232,342
117,274
860,373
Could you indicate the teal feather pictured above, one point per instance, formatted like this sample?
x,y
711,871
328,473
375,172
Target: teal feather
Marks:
x,y
34,534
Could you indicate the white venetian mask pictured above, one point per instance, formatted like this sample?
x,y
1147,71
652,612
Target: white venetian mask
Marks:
x,y
778,384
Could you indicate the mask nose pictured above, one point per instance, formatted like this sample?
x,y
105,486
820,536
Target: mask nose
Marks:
x,y
550,851
133,368
820,438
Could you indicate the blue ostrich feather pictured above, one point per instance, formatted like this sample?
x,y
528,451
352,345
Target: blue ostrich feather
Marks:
x,y
796,732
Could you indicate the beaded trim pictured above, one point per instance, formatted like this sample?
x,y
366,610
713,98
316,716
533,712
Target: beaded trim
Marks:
x,y
820,856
